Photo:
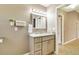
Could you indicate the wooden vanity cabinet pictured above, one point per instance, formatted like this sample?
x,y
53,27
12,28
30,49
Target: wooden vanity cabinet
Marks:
x,y
42,45
45,48
48,45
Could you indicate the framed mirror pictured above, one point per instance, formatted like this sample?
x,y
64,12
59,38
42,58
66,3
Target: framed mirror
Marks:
x,y
38,21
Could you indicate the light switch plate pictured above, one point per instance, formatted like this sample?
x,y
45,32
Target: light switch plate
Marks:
x,y
1,40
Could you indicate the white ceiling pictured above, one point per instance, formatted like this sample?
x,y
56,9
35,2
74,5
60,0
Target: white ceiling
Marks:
x,y
71,9
45,5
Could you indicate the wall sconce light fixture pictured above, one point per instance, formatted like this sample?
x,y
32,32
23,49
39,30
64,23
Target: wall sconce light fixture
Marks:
x,y
38,12
12,22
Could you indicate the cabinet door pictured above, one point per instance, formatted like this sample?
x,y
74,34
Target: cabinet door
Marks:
x,y
38,53
37,46
44,47
37,39
51,46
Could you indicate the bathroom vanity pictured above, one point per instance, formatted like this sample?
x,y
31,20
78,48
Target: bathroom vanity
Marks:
x,y
42,44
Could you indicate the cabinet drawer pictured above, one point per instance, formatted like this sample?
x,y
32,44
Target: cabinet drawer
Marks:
x,y
38,53
45,38
38,39
50,37
37,46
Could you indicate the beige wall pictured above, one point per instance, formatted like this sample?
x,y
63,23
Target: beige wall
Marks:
x,y
71,18
16,42
70,25
51,17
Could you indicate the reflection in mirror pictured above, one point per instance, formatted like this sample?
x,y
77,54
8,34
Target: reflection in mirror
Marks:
x,y
38,21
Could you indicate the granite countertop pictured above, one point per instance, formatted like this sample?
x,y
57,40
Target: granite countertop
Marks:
x,y
40,34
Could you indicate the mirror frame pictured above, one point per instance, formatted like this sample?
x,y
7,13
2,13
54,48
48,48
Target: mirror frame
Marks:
x,y
33,23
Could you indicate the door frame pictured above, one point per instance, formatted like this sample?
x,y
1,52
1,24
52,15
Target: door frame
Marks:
x,y
57,27
62,28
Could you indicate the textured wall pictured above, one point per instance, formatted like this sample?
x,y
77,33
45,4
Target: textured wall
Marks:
x,y
70,30
51,17
71,23
16,42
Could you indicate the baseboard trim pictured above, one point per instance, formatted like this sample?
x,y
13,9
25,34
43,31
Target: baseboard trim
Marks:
x,y
69,41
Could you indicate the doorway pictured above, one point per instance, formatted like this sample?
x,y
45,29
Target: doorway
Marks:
x,y
60,29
